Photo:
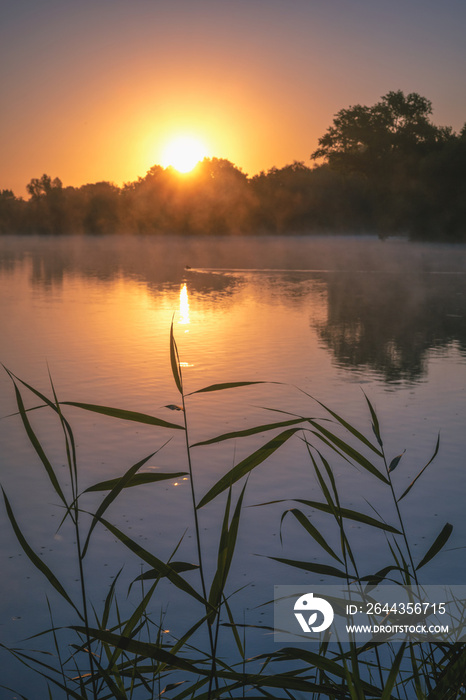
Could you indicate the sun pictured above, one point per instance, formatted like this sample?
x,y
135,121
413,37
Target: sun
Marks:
x,y
183,153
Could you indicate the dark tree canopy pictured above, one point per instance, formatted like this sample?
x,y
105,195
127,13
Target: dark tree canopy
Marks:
x,y
361,137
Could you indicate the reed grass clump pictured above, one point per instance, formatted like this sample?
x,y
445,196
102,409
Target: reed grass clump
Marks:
x,y
111,652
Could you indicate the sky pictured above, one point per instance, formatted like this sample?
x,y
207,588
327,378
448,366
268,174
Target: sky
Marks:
x,y
94,90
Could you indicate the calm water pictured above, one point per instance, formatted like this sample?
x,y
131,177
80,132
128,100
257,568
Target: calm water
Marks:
x,y
327,315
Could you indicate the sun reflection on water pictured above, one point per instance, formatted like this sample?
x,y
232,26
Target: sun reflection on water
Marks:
x,y
184,306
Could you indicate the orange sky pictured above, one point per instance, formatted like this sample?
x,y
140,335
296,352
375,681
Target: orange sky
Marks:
x,y
93,90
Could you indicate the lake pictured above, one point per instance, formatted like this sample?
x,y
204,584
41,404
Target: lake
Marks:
x,y
329,316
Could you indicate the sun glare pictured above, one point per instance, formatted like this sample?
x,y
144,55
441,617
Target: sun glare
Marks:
x,y
183,154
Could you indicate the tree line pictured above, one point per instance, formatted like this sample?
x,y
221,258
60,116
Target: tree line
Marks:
x,y
383,169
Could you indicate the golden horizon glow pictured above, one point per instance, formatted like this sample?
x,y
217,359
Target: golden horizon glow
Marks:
x,y
183,153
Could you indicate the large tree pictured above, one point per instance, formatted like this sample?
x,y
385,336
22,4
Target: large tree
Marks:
x,y
365,139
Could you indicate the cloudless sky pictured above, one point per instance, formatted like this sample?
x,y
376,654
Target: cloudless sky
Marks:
x,y
94,89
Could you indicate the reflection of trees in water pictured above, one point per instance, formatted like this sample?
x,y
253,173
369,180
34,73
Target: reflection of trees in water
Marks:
x,y
158,263
388,322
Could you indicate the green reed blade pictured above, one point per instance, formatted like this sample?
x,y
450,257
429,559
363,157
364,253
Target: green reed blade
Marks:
x,y
375,421
452,679
395,462
379,576
322,569
117,693
37,446
175,361
165,570
136,480
312,531
392,676
321,662
422,470
234,629
350,451
247,465
116,490
250,431
124,415
144,649
348,426
441,539
226,550
34,558
14,692
178,566
351,515
54,406
226,385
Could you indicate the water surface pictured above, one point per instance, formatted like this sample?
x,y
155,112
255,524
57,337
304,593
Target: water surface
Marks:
x,y
330,316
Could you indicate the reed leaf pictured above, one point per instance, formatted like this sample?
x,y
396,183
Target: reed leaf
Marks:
x,y
117,488
395,462
357,434
165,570
250,431
136,480
175,361
394,670
34,558
349,450
247,465
321,662
321,569
226,550
405,493
234,629
451,680
351,515
124,415
177,566
375,422
143,649
226,385
37,446
311,530
441,539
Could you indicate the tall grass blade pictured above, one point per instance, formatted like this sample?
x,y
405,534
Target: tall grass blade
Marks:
x,y
136,480
226,550
351,515
165,570
250,431
177,566
311,530
34,558
395,462
451,683
124,415
349,450
375,422
144,649
440,541
175,361
37,446
321,662
234,629
392,676
226,385
405,493
321,569
247,465
116,490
